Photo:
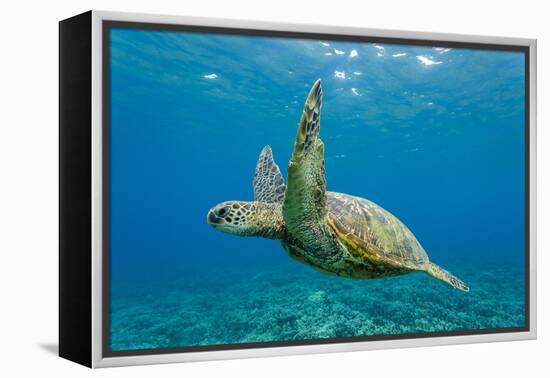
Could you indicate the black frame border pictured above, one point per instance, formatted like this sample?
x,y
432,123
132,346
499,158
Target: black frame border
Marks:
x,y
108,25
75,191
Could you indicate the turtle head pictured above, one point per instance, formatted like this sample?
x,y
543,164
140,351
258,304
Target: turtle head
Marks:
x,y
247,219
233,217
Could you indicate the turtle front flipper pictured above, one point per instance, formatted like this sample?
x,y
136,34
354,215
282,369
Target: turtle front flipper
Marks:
x,y
304,207
269,186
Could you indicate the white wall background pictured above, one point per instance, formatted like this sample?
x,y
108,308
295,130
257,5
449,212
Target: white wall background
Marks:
x,y
28,186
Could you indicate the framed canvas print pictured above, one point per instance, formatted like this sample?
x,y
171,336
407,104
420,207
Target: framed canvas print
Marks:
x,y
234,189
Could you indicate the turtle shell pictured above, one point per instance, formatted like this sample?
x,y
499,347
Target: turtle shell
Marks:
x,y
372,234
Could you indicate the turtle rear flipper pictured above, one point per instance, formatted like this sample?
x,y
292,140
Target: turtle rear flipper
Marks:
x,y
441,274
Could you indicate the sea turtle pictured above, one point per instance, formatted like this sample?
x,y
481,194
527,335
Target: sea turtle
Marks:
x,y
335,233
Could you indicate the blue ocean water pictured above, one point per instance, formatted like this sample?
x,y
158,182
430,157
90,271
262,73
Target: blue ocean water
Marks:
x,y
432,134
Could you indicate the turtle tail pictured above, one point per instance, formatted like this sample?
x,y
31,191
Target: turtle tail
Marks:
x,y
441,274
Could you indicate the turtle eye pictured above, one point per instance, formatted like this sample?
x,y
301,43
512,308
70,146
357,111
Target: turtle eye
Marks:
x,y
223,211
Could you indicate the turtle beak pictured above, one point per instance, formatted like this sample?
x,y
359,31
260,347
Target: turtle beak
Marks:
x,y
212,218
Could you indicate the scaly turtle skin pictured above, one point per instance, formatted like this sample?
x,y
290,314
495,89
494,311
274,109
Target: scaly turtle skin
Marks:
x,y
335,233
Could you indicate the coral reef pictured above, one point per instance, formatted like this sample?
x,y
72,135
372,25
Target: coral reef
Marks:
x,y
292,302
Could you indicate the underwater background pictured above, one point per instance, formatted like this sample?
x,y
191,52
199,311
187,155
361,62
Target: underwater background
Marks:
x,y
435,135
